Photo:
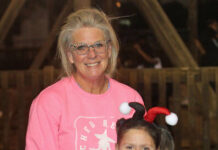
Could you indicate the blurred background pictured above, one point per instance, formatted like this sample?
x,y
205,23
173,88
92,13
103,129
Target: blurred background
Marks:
x,y
26,27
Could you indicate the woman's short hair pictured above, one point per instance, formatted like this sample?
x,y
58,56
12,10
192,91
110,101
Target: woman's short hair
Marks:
x,y
86,18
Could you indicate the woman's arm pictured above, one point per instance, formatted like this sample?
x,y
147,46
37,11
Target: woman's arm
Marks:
x,y
43,125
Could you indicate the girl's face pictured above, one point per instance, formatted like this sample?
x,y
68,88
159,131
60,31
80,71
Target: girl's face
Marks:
x,y
94,63
136,139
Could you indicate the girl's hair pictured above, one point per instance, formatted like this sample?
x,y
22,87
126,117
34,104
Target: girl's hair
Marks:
x,y
86,18
122,126
162,137
167,142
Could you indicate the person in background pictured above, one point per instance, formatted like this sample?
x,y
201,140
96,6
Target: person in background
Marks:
x,y
140,133
209,40
155,62
79,111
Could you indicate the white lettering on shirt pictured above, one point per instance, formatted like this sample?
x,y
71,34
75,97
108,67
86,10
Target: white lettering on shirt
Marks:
x,y
86,129
83,137
113,125
91,124
82,147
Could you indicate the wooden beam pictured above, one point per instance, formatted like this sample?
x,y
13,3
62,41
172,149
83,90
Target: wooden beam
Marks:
x,y
79,4
193,27
44,51
166,34
41,55
9,17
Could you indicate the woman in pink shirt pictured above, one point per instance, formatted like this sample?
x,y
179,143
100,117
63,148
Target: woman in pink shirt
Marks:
x,y
79,112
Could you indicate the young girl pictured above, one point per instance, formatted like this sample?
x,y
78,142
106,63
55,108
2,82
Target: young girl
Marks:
x,y
140,133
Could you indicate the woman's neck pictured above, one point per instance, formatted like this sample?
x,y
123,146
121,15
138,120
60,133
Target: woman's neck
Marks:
x,y
94,86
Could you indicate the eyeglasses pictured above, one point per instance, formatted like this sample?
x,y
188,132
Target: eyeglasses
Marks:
x,y
83,48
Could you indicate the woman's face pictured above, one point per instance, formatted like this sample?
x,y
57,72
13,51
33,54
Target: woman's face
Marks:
x,y
93,64
136,139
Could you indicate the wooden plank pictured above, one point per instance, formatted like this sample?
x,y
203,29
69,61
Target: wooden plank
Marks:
x,y
166,34
4,80
123,72
191,88
4,107
133,79
46,47
147,88
9,17
48,75
205,108
216,117
35,82
213,97
121,75
140,83
162,88
193,27
21,107
175,107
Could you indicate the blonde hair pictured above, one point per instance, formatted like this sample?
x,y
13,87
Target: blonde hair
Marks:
x,y
86,18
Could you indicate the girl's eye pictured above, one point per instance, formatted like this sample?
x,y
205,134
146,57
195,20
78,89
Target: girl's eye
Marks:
x,y
146,148
129,147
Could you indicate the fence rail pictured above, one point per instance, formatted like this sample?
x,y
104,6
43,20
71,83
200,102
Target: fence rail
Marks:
x,y
191,93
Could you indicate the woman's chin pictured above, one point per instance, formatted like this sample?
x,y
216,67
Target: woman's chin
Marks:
x,y
95,76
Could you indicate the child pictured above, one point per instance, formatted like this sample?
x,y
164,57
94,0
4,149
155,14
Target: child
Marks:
x,y
140,133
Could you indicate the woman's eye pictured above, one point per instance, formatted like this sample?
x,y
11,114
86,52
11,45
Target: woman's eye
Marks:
x,y
81,47
146,148
98,45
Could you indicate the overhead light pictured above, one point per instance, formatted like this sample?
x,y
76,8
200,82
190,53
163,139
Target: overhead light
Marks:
x,y
118,4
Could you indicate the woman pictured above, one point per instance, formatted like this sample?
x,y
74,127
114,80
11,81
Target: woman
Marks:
x,y
140,133
79,112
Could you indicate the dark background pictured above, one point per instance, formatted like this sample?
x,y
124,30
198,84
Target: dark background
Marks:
x,y
34,22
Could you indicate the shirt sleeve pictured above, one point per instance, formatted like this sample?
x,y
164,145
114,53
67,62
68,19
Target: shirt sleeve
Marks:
x,y
43,125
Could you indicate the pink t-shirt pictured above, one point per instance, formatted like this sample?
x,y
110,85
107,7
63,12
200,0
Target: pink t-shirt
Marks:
x,y
64,117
